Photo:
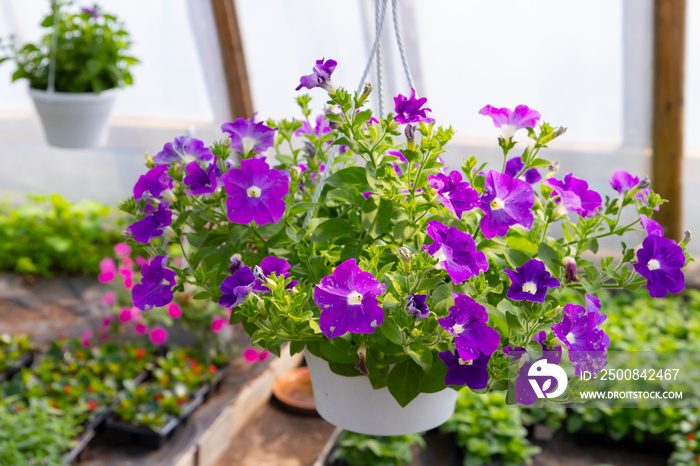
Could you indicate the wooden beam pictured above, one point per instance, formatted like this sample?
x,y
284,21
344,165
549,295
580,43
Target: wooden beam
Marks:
x,y
669,77
233,57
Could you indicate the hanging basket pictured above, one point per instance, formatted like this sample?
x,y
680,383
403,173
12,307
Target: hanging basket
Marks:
x,y
74,120
352,403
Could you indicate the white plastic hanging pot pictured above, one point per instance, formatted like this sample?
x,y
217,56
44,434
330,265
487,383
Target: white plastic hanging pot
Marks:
x,y
74,120
352,403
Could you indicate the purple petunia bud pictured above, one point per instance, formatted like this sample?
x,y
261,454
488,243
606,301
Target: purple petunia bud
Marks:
x,y
687,237
169,196
236,264
310,149
645,183
404,254
570,273
149,199
366,91
259,274
410,133
553,169
127,234
362,363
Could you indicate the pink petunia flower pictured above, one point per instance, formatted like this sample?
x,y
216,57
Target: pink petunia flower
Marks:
x,y
85,338
125,315
122,250
141,329
127,277
217,324
158,335
109,298
252,355
174,310
108,269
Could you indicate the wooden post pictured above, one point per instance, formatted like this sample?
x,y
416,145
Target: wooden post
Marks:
x,y
669,74
233,57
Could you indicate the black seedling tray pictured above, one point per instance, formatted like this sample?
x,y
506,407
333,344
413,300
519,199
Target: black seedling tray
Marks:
x,y
128,434
122,433
26,360
74,455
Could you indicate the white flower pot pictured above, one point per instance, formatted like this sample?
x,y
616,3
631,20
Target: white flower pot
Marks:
x,y
74,120
352,403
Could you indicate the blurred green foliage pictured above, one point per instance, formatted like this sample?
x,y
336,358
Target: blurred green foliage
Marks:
x,y
369,450
50,236
489,430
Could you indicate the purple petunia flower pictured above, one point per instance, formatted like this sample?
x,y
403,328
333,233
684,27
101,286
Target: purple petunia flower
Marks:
x,y
515,166
92,11
321,76
506,201
651,226
455,251
408,109
248,136
530,282
348,301
201,180
322,127
156,287
255,193
574,196
237,287
474,374
269,265
581,333
152,225
416,305
511,120
155,181
466,321
183,149
454,193
660,261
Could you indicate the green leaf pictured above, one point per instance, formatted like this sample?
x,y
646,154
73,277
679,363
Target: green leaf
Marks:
x,y
362,117
513,322
434,380
376,218
404,381
352,176
539,163
296,346
338,350
351,195
404,231
302,207
548,255
392,332
422,356
331,228
534,350
523,244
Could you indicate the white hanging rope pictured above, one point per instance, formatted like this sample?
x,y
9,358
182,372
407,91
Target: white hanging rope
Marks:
x,y
54,47
380,14
373,50
378,29
397,33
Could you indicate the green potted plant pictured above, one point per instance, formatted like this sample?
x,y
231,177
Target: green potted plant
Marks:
x,y
74,72
398,277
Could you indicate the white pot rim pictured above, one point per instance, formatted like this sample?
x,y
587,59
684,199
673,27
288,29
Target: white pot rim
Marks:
x,y
73,96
